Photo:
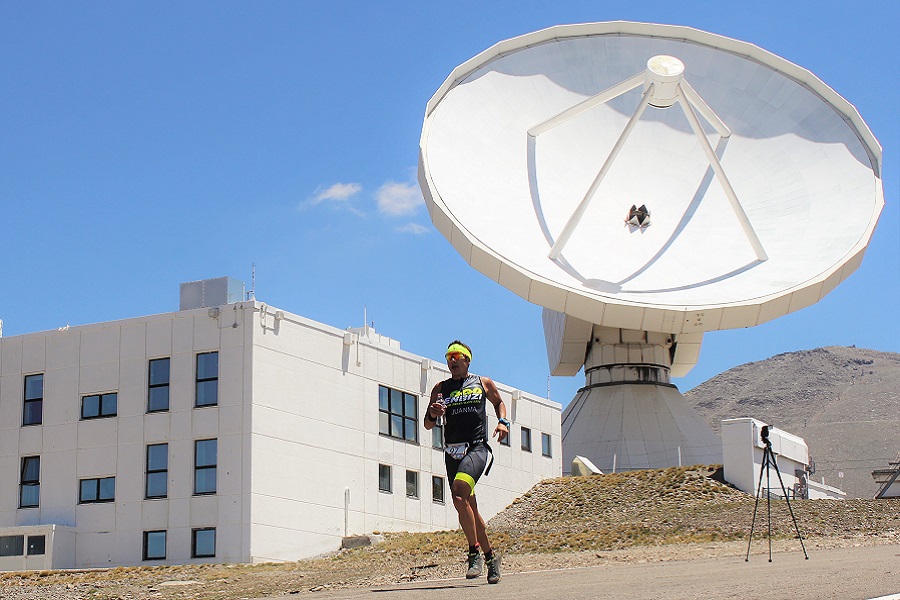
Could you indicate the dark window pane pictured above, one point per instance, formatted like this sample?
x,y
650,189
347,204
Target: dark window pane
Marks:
x,y
90,407
157,457
383,402
437,488
205,453
107,489
31,469
410,430
88,492
158,399
157,484
33,412
154,545
30,497
36,545
412,484
204,543
384,478
208,365
545,444
12,545
159,371
205,481
109,404
410,408
397,426
397,402
34,387
207,393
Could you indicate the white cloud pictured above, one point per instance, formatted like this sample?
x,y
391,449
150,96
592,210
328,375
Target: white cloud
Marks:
x,y
413,228
398,199
339,192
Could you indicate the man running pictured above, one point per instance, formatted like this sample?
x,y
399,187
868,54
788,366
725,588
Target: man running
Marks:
x,y
461,401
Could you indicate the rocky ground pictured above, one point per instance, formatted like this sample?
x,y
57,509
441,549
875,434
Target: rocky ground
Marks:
x,y
643,516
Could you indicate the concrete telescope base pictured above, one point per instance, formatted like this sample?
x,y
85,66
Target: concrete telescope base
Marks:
x,y
629,416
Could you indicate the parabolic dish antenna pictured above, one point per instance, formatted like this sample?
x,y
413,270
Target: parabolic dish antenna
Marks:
x,y
633,177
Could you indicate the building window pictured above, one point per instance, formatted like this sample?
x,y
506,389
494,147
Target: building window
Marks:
x,y
437,489
412,484
12,545
33,409
526,439
545,444
203,542
157,470
37,545
397,414
97,490
154,545
30,482
384,478
158,392
437,436
207,379
97,406
205,463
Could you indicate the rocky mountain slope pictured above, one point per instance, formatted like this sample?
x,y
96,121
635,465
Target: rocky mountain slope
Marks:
x,y
845,402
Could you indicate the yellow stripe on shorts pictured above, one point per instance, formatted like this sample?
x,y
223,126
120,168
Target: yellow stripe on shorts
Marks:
x,y
468,479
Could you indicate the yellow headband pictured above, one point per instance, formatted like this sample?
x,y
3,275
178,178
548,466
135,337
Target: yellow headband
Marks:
x,y
459,348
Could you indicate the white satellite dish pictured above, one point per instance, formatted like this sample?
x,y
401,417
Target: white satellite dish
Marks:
x,y
758,190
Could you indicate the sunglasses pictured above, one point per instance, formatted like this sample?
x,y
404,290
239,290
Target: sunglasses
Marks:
x,y
456,356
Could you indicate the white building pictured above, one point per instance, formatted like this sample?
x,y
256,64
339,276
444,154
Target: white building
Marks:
x,y
742,455
231,433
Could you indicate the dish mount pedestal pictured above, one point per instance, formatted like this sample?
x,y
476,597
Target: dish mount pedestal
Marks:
x,y
629,415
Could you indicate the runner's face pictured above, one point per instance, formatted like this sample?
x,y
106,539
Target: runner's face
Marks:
x,y
458,364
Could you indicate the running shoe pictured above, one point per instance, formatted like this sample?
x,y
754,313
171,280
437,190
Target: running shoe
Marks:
x,y
493,568
476,565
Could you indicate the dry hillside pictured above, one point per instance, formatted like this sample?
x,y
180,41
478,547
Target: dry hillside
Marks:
x,y
845,402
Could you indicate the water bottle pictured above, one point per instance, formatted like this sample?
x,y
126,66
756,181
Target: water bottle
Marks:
x,y
440,400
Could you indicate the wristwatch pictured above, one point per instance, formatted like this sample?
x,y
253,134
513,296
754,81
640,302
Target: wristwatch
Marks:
x,y
504,421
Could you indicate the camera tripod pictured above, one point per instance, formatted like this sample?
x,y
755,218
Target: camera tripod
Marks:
x,y
767,462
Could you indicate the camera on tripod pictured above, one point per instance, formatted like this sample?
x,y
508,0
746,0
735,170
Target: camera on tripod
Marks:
x,y
768,460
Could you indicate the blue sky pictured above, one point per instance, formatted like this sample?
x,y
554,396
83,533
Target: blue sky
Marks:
x,y
144,144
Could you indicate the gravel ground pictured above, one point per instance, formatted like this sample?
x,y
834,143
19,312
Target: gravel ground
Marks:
x,y
644,516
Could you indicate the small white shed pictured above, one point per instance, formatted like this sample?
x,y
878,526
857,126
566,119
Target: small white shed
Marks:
x,y
742,456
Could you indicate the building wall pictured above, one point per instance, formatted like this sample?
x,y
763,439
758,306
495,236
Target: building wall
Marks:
x,y
296,424
113,357
316,446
